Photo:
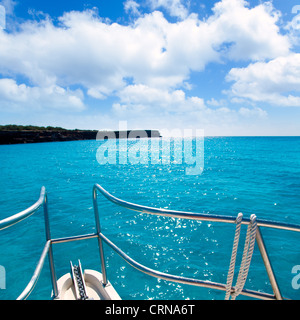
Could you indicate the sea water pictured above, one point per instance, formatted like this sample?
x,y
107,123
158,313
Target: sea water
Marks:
x,y
257,175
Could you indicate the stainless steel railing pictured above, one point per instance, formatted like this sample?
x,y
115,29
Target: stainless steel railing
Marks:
x,y
191,215
203,217
42,202
10,221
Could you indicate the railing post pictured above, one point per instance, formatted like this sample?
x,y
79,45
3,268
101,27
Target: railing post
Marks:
x,y
267,262
50,253
97,220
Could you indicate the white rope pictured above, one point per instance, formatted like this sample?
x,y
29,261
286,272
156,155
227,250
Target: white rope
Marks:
x,y
233,255
246,259
247,256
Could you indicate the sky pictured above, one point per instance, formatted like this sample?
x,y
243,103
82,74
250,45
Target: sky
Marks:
x,y
228,67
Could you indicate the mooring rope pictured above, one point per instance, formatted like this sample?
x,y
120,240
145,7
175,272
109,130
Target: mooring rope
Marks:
x,y
246,259
233,255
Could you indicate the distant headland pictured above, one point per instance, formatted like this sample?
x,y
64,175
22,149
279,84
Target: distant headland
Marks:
x,y
17,134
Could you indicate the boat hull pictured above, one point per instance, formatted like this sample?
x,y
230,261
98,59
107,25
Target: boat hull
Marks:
x,y
94,287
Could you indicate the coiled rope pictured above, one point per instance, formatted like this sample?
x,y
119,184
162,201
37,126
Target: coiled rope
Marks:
x,y
246,259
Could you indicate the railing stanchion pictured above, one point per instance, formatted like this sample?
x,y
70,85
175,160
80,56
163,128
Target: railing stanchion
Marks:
x,y
50,252
267,262
98,227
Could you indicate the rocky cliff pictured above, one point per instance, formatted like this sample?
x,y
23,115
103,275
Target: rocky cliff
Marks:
x,y
34,136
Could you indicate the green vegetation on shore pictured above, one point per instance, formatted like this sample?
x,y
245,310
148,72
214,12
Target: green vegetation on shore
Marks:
x,y
15,127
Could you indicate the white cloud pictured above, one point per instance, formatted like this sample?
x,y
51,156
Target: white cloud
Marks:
x,y
276,82
242,33
154,100
146,64
96,93
163,109
143,94
176,8
86,50
216,103
254,112
131,6
22,97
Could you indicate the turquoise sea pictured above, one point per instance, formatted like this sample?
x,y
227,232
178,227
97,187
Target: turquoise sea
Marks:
x,y
259,175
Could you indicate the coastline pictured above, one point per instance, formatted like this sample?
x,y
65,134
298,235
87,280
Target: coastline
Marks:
x,y
42,135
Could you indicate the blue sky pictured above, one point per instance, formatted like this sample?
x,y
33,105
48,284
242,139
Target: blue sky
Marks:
x,y
230,67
